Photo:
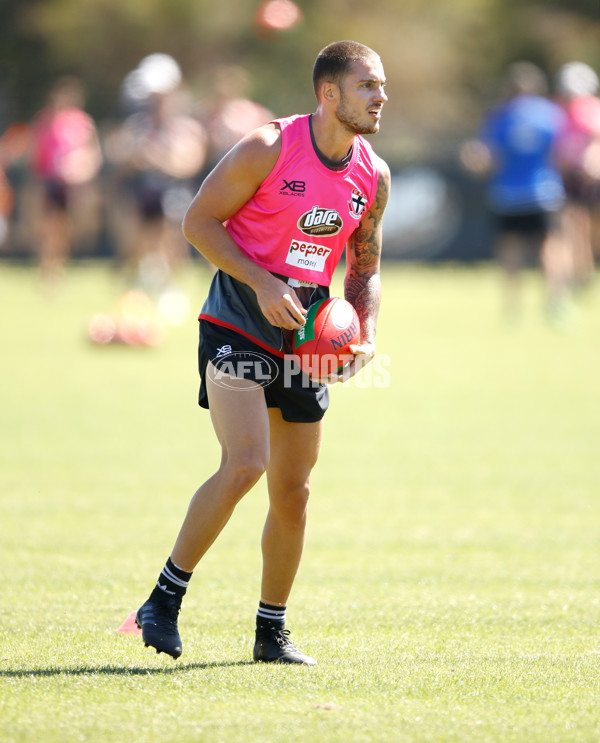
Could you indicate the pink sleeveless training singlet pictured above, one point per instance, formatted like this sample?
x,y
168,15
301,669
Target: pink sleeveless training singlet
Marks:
x,y
299,220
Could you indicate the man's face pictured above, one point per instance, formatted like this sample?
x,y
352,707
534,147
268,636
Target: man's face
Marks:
x,y
362,97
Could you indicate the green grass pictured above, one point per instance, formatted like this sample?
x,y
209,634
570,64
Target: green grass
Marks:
x,y
450,587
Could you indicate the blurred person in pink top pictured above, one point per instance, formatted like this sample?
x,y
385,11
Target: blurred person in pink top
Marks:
x,y
230,113
274,217
65,159
578,154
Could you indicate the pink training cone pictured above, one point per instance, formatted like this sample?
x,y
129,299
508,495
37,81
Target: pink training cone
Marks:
x,y
129,627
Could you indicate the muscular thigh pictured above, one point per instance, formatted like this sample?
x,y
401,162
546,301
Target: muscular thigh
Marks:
x,y
295,449
239,415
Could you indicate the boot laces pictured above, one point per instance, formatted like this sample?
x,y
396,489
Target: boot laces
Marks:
x,y
166,614
283,638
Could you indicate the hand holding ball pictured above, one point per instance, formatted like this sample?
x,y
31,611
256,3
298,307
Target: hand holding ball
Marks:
x,y
322,345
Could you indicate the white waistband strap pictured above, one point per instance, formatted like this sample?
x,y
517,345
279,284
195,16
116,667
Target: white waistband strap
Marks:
x,y
294,283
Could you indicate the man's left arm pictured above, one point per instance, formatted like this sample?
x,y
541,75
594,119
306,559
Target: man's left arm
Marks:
x,y
362,283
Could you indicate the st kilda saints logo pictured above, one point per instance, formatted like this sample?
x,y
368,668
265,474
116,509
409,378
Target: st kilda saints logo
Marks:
x,y
357,204
319,221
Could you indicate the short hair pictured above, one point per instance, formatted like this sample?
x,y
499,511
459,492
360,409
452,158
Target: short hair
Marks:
x,y
525,78
334,61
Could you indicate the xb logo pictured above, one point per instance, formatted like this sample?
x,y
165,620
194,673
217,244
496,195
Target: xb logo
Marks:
x,y
295,186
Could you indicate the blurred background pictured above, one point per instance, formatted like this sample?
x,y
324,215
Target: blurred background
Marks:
x,y
168,85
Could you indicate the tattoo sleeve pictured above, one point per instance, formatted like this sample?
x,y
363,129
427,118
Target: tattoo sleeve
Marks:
x,y
362,283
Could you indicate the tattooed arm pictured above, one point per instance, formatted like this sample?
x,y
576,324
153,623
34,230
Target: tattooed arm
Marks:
x,y
362,284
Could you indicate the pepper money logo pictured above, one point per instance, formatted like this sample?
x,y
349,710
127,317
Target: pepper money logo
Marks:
x,y
319,221
226,370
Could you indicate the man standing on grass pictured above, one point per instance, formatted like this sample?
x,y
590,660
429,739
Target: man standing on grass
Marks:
x,y
254,219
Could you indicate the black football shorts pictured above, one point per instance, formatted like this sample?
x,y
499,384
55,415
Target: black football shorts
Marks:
x,y
285,386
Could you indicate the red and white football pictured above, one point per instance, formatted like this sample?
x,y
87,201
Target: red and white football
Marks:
x,y
322,345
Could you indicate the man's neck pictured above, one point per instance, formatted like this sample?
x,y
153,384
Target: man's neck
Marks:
x,y
328,162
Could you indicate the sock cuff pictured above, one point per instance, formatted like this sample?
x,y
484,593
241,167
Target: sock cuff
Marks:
x,y
176,574
270,613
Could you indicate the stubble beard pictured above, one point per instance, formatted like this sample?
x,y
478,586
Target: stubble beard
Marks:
x,y
351,122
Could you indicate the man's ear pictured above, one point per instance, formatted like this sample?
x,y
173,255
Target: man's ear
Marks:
x,y
330,91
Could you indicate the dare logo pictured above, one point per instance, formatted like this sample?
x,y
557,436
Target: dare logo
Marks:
x,y
319,221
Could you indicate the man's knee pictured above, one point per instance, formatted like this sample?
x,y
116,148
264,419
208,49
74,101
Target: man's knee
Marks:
x,y
290,504
242,473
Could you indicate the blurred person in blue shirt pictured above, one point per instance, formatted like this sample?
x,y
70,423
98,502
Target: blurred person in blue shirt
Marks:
x,y
516,147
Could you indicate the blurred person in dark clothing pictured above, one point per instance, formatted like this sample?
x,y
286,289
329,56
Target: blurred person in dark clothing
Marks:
x,y
156,153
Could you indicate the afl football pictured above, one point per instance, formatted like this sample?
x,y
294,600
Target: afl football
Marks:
x,y
322,345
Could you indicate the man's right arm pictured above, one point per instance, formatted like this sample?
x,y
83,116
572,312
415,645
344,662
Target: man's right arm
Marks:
x,y
226,189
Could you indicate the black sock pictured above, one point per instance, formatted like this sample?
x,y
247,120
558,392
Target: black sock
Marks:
x,y
270,617
173,581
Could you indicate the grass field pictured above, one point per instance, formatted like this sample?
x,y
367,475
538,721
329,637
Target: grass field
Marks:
x,y
450,587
